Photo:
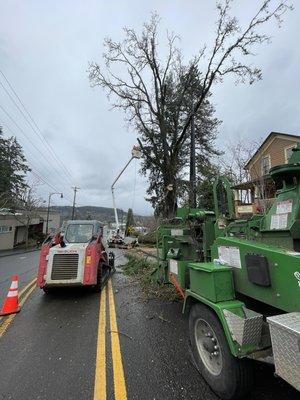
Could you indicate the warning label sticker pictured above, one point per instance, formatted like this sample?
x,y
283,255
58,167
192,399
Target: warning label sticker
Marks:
x,y
173,265
176,232
284,207
230,256
279,221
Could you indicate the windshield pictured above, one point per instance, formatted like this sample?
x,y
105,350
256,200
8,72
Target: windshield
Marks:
x,y
79,233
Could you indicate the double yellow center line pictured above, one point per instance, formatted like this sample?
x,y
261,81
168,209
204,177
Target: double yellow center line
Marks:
x,y
118,371
100,388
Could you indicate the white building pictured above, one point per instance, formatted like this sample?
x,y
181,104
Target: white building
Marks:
x,y
13,226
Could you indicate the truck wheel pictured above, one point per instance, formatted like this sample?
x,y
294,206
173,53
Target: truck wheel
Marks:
x,y
228,376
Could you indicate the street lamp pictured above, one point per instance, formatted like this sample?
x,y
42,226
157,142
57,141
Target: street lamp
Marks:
x,y
48,209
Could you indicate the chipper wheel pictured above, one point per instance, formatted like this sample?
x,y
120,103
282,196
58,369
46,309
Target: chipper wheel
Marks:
x,y
229,376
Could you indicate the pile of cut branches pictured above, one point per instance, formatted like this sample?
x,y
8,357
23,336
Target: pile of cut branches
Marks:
x,y
140,269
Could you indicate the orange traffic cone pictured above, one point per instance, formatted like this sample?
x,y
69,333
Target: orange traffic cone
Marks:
x,y
11,303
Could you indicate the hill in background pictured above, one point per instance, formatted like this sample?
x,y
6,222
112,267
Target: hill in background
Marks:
x,y
103,214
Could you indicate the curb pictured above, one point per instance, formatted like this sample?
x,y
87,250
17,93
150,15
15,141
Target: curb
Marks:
x,y
18,253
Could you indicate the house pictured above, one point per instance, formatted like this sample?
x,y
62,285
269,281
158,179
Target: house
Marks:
x,y
275,150
13,226
258,193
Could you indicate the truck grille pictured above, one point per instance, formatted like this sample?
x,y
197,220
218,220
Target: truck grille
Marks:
x,y
65,266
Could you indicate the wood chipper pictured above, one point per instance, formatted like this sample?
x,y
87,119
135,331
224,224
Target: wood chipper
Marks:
x,y
77,258
240,280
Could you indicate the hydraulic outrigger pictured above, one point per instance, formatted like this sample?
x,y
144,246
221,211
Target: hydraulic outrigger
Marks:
x,y
240,279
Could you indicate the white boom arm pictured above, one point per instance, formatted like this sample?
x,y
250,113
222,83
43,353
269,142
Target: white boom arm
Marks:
x,y
135,153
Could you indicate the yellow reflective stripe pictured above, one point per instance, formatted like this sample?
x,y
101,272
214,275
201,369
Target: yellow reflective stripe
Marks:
x,y
100,372
118,372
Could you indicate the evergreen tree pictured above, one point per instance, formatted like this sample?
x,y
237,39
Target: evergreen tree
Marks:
x,y
13,168
129,222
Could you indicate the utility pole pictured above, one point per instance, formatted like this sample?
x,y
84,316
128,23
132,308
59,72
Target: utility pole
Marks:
x,y
193,166
74,200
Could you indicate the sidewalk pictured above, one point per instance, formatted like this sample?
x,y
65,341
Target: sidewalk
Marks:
x,y
13,252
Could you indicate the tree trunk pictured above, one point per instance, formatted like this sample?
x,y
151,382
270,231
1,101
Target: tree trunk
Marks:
x,y
170,205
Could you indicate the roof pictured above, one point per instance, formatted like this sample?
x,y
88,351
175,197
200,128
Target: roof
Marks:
x,y
272,134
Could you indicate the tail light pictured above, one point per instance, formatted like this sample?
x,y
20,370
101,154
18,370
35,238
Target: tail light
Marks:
x,y
88,256
90,269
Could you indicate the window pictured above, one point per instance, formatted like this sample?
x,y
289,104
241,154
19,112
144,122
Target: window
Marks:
x,y
265,165
5,229
79,233
288,152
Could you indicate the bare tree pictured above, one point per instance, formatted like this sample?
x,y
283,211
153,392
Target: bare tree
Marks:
x,y
232,164
233,161
159,97
28,203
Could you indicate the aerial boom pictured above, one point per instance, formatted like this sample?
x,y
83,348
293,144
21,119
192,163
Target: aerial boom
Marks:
x,y
135,153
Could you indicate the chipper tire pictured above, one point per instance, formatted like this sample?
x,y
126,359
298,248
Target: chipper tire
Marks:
x,y
228,376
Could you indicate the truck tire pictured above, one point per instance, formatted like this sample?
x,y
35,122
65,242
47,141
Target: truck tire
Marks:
x,y
228,376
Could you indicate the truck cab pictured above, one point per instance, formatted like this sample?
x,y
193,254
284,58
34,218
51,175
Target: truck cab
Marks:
x,y
76,257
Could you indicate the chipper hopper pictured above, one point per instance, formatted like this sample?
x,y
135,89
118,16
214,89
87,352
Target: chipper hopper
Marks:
x,y
240,280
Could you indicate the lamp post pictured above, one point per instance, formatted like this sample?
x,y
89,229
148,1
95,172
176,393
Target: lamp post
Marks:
x,y
48,209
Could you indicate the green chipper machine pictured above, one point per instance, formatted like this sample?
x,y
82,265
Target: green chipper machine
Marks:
x,y
240,281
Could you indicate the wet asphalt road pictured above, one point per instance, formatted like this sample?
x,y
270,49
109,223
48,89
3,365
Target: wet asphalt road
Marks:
x,y
25,265
49,350
157,359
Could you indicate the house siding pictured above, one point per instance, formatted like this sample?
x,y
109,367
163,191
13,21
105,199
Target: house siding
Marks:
x,y
276,152
17,234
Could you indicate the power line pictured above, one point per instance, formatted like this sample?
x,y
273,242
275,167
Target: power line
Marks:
x,y
35,171
33,144
29,162
34,127
42,179
50,185
16,105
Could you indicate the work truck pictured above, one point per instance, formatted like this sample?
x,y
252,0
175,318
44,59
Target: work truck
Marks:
x,y
75,256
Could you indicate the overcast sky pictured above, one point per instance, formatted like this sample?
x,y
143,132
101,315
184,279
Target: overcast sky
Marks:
x,y
45,48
